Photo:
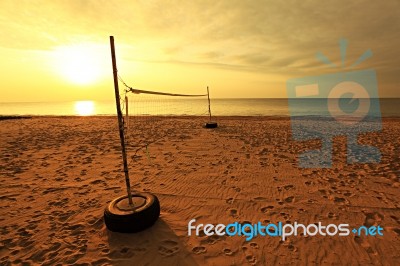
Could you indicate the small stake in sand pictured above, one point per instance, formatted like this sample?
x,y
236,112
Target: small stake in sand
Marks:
x,y
210,124
209,104
136,211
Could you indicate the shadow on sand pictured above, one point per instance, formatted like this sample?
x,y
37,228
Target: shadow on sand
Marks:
x,y
158,245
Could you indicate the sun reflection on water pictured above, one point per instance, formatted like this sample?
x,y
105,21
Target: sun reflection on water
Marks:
x,y
84,108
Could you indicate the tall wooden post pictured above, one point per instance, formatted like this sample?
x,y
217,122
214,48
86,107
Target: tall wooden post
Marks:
x,y
209,105
120,121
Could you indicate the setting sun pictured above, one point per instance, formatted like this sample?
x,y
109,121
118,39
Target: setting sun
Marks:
x,y
79,64
84,108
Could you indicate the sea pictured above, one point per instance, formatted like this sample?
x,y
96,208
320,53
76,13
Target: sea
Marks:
x,y
385,107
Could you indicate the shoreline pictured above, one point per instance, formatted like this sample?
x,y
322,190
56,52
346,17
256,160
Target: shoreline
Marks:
x,y
4,117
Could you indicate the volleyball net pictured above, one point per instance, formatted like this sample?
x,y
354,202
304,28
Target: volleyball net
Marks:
x,y
158,127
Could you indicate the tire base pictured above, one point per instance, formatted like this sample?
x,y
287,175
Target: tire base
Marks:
x,y
211,125
119,218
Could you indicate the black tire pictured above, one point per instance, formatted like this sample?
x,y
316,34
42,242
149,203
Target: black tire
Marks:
x,y
211,125
132,220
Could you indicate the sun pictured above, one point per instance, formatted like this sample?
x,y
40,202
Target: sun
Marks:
x,y
79,64
84,108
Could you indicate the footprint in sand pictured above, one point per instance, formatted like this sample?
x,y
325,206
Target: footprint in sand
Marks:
x,y
228,252
340,200
211,240
105,250
309,183
38,214
325,194
168,248
235,178
289,199
301,210
59,203
97,182
364,244
123,253
397,231
251,259
233,212
288,187
260,199
373,219
347,194
331,215
229,200
254,245
291,247
284,215
395,218
267,208
72,258
96,222
199,250
236,189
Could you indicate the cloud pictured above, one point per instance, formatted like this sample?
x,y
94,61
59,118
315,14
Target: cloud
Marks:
x,y
261,36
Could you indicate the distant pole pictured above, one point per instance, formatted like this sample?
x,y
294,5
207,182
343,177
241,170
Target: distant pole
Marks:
x,y
120,121
126,112
209,105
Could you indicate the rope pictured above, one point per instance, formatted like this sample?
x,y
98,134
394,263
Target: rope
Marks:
x,y
136,91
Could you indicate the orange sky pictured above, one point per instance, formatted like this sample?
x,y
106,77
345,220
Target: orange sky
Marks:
x,y
59,50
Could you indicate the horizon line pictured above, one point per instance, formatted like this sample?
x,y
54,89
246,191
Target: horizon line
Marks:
x,y
216,98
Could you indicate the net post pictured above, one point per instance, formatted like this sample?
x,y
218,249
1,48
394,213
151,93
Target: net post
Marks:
x,y
126,112
209,105
120,121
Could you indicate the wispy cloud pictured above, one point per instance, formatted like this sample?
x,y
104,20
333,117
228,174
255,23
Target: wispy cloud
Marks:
x,y
261,36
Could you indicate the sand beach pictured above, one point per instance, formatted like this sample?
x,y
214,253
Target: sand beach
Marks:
x,y
58,174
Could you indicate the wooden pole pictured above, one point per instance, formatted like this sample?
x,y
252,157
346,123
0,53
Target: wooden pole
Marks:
x,y
120,121
127,112
209,105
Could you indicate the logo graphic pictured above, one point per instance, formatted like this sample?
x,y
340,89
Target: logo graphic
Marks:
x,y
339,104
279,229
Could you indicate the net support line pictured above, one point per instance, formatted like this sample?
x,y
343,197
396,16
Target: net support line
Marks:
x,y
136,91
126,112
209,104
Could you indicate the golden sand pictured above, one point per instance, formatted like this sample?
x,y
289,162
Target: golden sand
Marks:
x,y
58,174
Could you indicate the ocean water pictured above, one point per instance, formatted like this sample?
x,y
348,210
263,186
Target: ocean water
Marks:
x,y
389,107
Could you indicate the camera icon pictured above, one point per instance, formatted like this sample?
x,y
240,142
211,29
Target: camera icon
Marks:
x,y
339,104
